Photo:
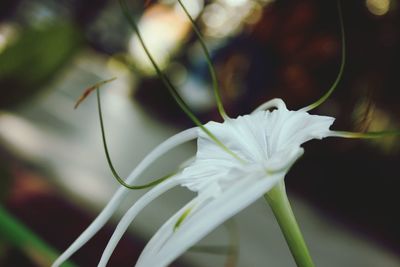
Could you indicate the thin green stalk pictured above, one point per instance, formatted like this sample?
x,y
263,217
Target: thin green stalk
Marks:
x,y
111,165
170,87
280,205
367,135
15,233
209,63
340,74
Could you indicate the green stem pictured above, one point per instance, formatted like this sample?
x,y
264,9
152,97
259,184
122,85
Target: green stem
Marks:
x,y
280,205
24,239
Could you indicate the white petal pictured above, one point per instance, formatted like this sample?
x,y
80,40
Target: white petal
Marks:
x,y
283,160
301,127
202,221
121,193
257,139
164,233
130,216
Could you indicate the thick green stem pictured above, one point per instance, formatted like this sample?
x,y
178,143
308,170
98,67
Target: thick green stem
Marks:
x,y
21,237
280,205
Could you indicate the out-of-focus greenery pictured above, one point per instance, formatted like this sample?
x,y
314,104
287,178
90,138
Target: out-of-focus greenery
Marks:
x,y
20,236
4,181
34,58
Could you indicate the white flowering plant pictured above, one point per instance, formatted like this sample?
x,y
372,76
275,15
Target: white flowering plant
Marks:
x,y
237,162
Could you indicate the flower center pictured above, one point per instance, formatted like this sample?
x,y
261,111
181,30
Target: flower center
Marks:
x,y
268,142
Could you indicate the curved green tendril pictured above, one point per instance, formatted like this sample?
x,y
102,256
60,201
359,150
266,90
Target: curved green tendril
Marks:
x,y
111,165
340,74
367,135
211,69
169,85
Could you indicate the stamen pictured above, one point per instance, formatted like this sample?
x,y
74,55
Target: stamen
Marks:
x,y
339,76
211,69
109,161
85,94
367,135
170,87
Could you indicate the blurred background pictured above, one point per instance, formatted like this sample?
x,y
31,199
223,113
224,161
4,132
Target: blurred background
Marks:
x,y
54,177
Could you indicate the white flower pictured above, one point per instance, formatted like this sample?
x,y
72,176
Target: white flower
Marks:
x,y
237,162
262,146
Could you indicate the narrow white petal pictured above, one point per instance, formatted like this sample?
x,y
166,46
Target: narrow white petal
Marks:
x,y
161,149
214,212
93,228
162,235
121,193
130,216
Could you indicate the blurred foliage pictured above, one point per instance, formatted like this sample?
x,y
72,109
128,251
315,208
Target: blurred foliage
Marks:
x,y
20,236
34,59
5,181
4,184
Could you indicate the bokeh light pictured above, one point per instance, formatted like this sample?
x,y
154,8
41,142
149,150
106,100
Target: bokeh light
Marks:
x,y
378,7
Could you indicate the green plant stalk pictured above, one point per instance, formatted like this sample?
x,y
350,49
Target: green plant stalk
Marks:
x,y
15,233
280,205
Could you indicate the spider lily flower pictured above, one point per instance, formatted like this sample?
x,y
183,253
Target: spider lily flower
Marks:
x,y
237,162
266,144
